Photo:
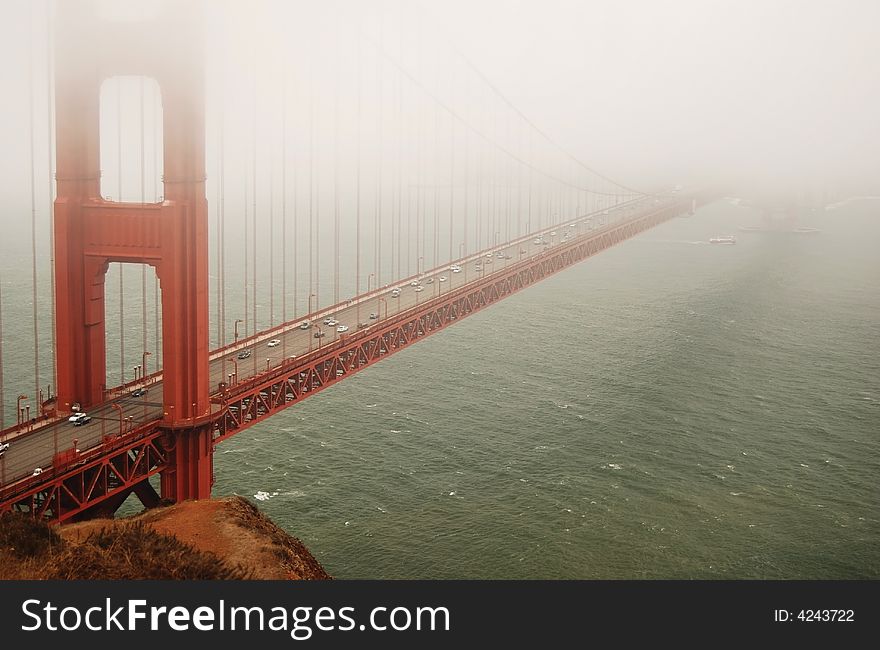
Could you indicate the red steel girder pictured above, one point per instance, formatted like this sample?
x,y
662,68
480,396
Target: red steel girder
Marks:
x,y
121,464
260,397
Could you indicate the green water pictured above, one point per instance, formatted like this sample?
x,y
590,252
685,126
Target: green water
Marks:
x,y
667,409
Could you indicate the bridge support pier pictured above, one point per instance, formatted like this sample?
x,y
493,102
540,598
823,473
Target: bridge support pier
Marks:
x,y
191,466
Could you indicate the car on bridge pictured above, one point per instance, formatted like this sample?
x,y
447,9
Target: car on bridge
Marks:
x,y
79,419
274,342
414,283
327,320
342,328
244,354
319,334
374,316
395,293
419,289
442,278
3,447
304,325
139,392
429,281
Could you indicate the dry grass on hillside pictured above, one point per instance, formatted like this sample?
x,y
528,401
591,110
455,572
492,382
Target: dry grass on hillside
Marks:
x,y
226,539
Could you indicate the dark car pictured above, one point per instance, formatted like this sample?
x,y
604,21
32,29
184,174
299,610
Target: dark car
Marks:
x,y
244,354
319,334
139,392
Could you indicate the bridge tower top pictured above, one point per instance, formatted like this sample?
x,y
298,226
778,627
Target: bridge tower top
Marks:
x,y
91,232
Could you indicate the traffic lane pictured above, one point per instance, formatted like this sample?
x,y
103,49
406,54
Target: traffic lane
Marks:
x,y
37,450
297,342
26,454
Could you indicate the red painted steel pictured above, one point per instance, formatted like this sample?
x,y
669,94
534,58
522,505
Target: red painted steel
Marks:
x,y
91,232
68,493
172,236
110,472
263,395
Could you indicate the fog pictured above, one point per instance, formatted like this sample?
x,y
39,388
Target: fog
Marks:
x,y
650,94
387,136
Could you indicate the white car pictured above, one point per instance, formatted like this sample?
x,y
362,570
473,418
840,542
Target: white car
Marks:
x,y
419,288
79,419
457,269
304,325
342,328
37,471
3,447
395,293
429,281
333,322
442,278
414,283
274,342
553,233
374,316
327,320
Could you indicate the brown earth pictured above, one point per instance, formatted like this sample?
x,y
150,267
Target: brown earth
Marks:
x,y
225,538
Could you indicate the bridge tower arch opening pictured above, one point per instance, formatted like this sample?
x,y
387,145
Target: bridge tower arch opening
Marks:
x,y
170,234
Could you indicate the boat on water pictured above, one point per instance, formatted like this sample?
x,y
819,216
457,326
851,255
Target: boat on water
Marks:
x,y
728,239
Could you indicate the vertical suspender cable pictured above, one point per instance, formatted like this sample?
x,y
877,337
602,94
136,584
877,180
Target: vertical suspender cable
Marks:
x,y
33,216
246,251
377,232
451,183
271,241
436,251
157,351
143,200
221,289
119,198
317,222
357,272
284,202
336,180
464,214
295,226
49,142
312,253
254,208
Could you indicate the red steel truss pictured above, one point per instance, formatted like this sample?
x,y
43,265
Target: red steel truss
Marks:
x,y
95,483
263,395
101,480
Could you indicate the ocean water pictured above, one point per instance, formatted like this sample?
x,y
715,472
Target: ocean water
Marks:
x,y
666,409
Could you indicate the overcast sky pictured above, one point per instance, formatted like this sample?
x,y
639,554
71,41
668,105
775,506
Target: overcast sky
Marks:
x,y
644,91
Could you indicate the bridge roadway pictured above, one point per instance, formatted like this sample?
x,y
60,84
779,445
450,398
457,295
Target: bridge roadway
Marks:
x,y
36,448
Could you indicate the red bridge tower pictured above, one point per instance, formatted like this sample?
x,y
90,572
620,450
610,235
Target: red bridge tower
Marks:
x,y
171,236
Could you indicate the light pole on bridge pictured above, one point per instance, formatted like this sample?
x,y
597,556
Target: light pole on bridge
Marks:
x,y
144,361
19,409
118,408
311,295
237,321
